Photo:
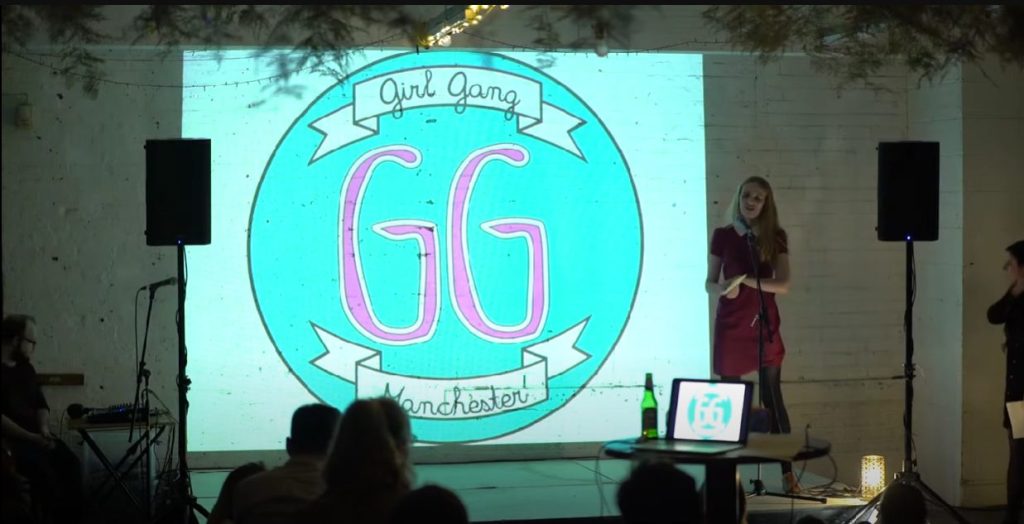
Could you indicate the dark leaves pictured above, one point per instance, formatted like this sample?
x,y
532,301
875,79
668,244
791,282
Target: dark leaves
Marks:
x,y
855,42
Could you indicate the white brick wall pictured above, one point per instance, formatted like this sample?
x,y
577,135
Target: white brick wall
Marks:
x,y
936,114
840,320
74,250
993,217
73,222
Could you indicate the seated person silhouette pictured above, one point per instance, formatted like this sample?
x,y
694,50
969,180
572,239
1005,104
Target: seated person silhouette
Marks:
x,y
430,503
275,496
659,493
222,509
53,471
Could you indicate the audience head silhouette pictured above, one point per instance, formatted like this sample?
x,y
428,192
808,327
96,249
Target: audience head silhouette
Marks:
x,y
810,519
313,428
18,337
902,503
224,507
659,493
430,503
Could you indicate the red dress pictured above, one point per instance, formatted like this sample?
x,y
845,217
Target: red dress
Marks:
x,y
735,337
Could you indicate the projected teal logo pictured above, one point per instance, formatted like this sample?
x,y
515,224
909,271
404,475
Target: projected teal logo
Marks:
x,y
455,230
709,414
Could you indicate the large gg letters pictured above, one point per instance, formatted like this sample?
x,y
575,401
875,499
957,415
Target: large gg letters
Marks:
x,y
463,290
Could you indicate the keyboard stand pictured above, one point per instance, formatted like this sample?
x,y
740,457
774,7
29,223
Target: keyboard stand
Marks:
x,y
115,471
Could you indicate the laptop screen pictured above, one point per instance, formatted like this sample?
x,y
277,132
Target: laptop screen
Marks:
x,y
708,410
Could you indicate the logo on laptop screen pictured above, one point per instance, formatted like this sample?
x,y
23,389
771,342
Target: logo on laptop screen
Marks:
x,y
709,414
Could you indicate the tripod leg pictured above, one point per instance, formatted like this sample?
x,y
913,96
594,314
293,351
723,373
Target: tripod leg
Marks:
x,y
199,509
865,510
929,493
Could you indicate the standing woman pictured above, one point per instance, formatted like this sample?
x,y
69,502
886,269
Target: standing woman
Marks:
x,y
753,233
1009,311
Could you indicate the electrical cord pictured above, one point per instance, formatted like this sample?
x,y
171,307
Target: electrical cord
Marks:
x,y
907,322
167,411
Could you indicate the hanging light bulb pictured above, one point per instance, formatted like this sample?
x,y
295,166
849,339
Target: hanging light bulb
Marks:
x,y
473,15
600,40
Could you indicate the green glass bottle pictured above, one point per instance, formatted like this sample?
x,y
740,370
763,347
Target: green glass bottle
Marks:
x,y
649,410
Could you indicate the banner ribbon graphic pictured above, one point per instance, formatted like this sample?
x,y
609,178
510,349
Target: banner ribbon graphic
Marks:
x,y
459,87
454,398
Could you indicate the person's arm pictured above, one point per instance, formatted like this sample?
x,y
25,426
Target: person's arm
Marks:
x,y
712,284
43,418
41,406
11,429
779,283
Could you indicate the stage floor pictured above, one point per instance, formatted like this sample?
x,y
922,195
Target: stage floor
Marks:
x,y
576,489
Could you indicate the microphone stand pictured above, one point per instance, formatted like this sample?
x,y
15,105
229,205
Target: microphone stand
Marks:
x,y
141,376
762,326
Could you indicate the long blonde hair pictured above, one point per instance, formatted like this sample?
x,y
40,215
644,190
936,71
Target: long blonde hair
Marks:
x,y
371,447
770,236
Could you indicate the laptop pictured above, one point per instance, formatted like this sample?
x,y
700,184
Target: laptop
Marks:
x,y
705,417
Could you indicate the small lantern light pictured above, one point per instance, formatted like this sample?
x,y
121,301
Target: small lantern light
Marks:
x,y
872,476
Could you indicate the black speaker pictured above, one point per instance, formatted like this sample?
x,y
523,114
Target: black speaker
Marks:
x,y
178,192
908,191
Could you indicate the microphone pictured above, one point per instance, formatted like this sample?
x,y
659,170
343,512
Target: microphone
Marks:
x,y
77,411
156,285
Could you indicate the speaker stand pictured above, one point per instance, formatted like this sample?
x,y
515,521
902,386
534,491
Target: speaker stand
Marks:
x,y
909,475
184,505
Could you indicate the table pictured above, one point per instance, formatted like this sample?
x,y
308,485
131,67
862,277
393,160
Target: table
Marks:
x,y
721,504
145,438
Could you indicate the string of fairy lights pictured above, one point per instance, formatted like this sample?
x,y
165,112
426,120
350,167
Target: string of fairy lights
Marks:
x,y
472,15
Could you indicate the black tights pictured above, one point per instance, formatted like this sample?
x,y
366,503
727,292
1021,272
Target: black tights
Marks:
x,y
1015,478
771,396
